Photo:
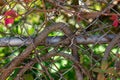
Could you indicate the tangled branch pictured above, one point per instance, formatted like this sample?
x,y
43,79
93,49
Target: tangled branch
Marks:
x,y
42,36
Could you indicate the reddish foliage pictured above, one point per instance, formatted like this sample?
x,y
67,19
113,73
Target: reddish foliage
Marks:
x,y
116,23
113,17
26,1
9,21
11,13
78,17
10,17
115,20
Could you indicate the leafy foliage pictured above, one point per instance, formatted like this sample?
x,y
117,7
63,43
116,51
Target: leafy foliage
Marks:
x,y
29,18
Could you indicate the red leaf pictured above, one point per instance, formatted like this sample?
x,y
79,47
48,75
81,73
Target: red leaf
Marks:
x,y
27,1
78,17
116,23
11,13
114,17
10,17
9,21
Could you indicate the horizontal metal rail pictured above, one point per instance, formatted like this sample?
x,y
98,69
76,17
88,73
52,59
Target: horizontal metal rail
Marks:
x,y
19,41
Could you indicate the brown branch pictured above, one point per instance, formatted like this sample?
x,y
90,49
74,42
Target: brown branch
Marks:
x,y
24,69
110,46
46,57
31,47
85,15
44,68
75,54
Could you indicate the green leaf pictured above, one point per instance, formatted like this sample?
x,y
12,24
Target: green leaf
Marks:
x,y
28,77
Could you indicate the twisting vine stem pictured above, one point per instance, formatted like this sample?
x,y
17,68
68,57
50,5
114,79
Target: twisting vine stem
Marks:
x,y
28,51
110,46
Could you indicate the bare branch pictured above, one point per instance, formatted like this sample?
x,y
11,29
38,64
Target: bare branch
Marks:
x,y
46,57
41,37
110,46
24,69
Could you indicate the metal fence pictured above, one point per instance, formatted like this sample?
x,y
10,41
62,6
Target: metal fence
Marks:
x,y
60,40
